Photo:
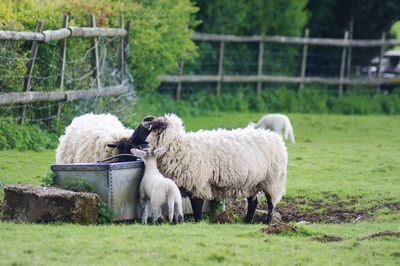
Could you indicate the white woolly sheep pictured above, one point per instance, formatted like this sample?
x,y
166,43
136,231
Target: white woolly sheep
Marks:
x,y
156,190
221,163
91,138
278,123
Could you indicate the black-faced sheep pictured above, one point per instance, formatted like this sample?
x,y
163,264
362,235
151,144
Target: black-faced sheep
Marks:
x,y
91,138
157,191
221,163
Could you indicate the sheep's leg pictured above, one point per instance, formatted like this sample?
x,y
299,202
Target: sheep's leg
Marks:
x,y
270,210
251,209
197,206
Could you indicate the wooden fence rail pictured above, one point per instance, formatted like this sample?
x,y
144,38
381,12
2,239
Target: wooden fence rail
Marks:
x,y
343,76
61,35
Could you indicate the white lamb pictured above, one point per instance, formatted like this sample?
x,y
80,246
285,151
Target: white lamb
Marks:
x,y
221,163
91,138
156,190
278,123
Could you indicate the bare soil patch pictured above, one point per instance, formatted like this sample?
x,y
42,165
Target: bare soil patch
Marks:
x,y
381,234
305,210
279,229
327,238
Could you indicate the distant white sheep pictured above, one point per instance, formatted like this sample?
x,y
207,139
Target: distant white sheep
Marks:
x,y
221,163
91,138
156,190
278,123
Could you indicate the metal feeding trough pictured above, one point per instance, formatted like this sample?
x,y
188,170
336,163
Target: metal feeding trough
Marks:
x,y
116,183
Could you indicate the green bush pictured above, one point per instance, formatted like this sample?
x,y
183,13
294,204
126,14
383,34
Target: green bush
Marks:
x,y
160,33
24,137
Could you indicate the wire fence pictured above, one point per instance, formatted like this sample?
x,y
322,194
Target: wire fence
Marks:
x,y
45,74
260,60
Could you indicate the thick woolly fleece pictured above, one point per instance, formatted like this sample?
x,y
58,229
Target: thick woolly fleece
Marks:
x,y
87,136
221,163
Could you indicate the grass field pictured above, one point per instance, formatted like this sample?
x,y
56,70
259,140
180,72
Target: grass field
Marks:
x,y
347,162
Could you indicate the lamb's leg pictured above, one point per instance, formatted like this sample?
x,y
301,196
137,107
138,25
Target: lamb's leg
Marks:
x,y
270,210
171,205
144,209
251,209
157,216
178,216
197,206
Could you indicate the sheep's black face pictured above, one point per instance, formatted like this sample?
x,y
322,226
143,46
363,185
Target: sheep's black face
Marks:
x,y
141,133
123,146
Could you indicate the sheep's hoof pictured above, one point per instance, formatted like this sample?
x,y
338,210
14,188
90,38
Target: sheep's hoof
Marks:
x,y
180,219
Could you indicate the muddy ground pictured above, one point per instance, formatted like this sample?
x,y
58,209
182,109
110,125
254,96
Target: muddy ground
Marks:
x,y
312,211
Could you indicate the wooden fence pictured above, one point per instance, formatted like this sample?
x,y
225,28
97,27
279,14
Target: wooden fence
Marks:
x,y
343,78
61,35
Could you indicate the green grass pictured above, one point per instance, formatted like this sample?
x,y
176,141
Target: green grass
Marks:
x,y
335,158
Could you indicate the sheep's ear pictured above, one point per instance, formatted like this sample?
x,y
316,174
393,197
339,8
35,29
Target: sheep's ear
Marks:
x,y
117,144
153,124
160,151
149,118
138,153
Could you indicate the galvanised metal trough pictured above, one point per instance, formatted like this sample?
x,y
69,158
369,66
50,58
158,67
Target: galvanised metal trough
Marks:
x,y
116,183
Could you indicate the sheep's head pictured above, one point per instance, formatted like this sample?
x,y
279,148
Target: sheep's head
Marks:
x,y
137,139
123,146
140,134
158,129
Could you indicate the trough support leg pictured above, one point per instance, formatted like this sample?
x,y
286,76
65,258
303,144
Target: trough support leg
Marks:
x,y
251,209
270,210
197,206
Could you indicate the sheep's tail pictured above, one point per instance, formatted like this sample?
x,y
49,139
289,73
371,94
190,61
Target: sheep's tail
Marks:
x,y
171,203
288,132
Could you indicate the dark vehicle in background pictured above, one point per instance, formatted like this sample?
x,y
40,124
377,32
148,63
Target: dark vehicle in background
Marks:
x,y
390,65
389,68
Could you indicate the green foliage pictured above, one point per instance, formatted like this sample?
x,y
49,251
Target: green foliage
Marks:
x,y
160,33
106,215
48,179
269,17
24,137
280,99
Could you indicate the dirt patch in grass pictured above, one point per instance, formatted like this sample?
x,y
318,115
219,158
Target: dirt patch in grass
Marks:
x,y
327,238
225,217
381,234
334,210
279,229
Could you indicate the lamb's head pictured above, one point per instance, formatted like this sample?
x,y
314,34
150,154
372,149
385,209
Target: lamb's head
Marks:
x,y
163,129
147,153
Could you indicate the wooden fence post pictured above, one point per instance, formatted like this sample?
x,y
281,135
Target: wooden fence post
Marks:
x,y
63,61
304,59
126,43
179,85
260,65
379,67
220,68
121,59
30,65
95,58
350,49
343,64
